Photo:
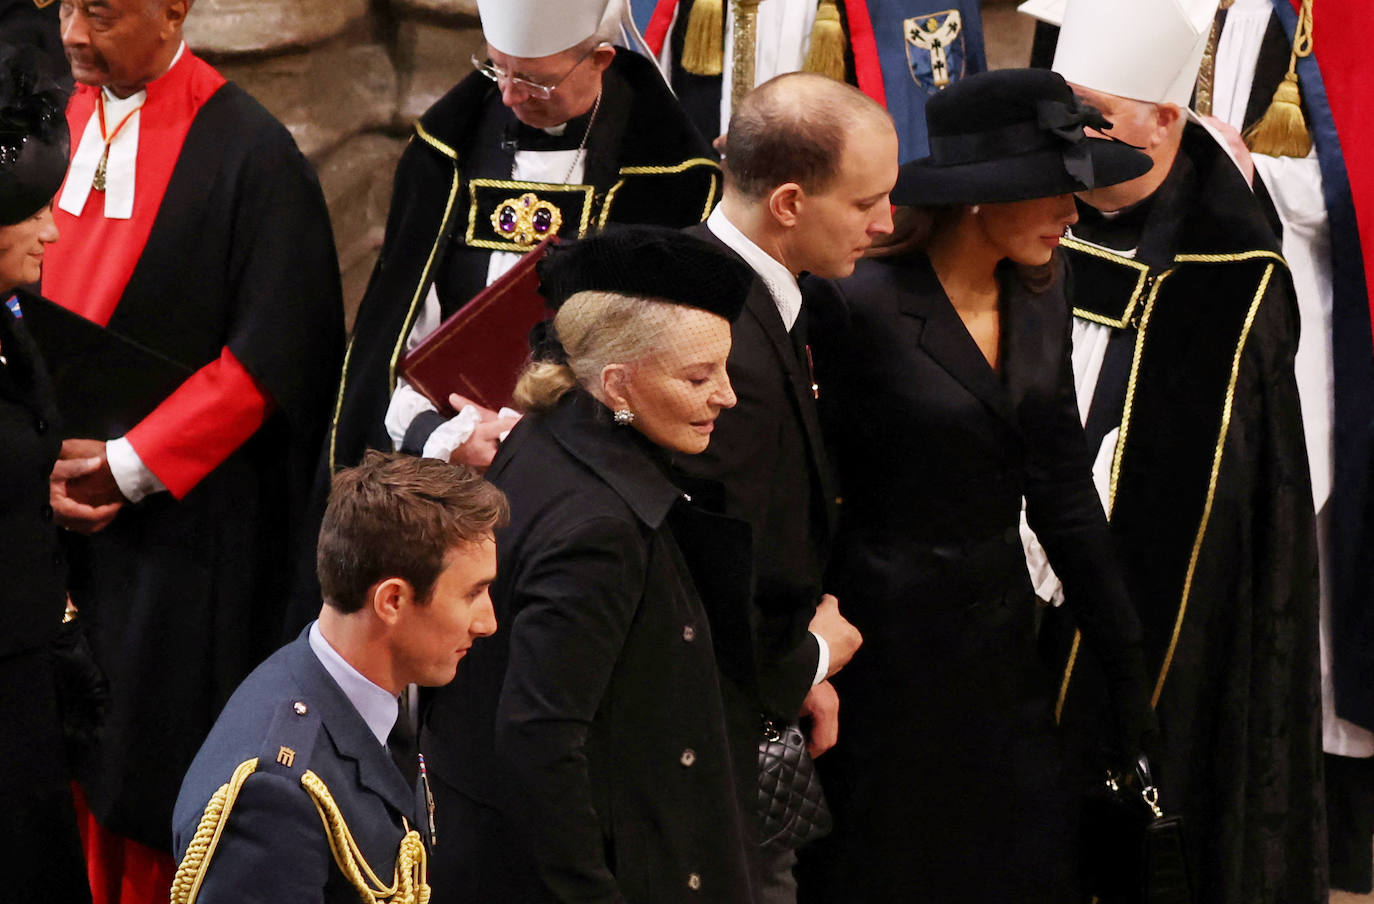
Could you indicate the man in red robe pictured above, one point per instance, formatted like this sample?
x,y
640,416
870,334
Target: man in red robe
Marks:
x,y
194,228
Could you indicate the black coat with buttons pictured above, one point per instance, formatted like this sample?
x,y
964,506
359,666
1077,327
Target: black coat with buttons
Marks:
x,y
594,722
31,570
948,780
38,833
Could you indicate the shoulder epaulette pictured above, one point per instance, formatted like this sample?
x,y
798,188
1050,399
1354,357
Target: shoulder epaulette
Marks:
x,y
290,739
286,751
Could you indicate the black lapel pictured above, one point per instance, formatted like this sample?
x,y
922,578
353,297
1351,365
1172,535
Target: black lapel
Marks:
x,y
1027,353
760,306
350,734
943,335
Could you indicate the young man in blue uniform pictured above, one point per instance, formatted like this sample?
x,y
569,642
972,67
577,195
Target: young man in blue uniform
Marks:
x,y
301,791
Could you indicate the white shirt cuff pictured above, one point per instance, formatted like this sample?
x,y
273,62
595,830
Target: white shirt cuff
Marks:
x,y
405,405
822,661
451,434
131,475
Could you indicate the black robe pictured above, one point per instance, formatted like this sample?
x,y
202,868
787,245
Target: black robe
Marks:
x,y
33,23
183,598
1212,513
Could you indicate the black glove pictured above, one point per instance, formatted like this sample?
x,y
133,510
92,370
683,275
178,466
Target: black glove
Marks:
x,y
1137,728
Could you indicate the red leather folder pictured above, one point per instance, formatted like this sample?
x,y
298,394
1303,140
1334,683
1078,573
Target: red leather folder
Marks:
x,y
481,349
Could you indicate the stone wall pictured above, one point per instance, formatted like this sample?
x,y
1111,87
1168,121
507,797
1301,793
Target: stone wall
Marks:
x,y
347,77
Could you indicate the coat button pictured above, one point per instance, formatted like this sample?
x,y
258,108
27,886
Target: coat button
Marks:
x,y
300,708
689,633
40,425
689,756
45,512
694,882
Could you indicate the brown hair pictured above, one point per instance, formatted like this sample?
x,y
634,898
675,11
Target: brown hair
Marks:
x,y
395,516
912,228
792,128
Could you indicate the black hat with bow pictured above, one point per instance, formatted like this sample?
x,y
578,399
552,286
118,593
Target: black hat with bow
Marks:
x,y
1012,135
33,134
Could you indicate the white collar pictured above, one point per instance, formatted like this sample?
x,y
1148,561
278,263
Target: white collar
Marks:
x,y
782,285
122,164
376,705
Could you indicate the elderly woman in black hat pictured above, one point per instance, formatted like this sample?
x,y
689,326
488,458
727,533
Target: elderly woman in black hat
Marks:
x,y
947,393
38,834
583,754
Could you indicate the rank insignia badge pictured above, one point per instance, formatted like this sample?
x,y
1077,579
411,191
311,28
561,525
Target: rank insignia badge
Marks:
x,y
935,48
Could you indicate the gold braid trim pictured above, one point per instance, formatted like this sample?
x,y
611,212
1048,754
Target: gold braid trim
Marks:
x,y
1116,462
1212,481
408,886
191,873
1216,456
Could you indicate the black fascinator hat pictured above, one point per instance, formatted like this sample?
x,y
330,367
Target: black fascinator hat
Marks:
x,y
647,262
1013,135
33,134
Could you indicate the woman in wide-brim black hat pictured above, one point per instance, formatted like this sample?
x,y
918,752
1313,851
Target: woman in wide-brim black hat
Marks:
x,y
947,394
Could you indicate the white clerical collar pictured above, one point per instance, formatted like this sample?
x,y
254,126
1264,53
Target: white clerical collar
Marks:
x,y
376,705
122,163
782,285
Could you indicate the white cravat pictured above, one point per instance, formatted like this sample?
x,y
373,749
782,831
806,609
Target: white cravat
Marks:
x,y
122,163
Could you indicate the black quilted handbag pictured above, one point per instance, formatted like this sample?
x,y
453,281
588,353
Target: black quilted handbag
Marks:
x,y
1132,852
792,808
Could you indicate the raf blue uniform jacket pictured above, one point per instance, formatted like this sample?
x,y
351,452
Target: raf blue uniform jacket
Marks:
x,y
293,717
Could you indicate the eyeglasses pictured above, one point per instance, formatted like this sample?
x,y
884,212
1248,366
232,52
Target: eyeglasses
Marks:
x,y
533,89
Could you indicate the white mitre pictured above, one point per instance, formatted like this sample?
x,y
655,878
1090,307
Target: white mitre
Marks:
x,y
538,28
1146,50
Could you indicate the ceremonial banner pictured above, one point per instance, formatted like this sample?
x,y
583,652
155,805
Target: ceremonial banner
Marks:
x,y
935,49
1336,82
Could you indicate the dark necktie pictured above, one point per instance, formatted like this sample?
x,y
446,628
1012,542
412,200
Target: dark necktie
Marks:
x,y
401,742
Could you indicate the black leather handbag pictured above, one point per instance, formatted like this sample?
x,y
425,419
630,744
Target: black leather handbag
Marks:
x,y
792,807
1132,852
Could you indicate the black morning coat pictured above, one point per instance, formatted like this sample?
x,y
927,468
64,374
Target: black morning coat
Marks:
x,y
293,752
768,454
947,781
39,845
582,753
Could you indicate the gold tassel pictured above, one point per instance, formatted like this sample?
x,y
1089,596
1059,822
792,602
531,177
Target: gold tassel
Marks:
x,y
826,54
703,52
1281,131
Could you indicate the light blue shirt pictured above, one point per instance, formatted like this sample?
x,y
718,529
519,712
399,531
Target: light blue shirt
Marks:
x,y
377,705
